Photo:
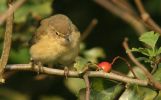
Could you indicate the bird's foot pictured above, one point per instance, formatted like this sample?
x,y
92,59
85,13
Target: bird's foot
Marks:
x,y
40,67
34,64
66,72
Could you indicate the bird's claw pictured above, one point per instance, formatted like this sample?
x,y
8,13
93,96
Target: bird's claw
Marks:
x,y
66,72
33,65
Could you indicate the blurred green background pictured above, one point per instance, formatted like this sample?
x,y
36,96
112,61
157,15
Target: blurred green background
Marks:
x,y
108,35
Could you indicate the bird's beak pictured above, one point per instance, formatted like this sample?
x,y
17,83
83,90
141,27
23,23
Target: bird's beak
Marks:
x,y
68,38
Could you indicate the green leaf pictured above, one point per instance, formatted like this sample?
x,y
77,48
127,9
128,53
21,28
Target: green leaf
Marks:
x,y
157,75
149,38
158,96
143,59
3,6
80,63
94,53
144,51
97,84
107,94
134,92
41,8
74,84
159,51
138,72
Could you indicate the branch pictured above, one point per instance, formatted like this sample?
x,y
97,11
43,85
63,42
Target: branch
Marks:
x,y
88,30
124,15
86,79
152,82
123,4
51,71
11,10
146,17
128,65
6,44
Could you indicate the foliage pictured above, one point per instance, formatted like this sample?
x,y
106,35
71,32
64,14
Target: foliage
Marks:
x,y
37,9
151,52
135,92
132,91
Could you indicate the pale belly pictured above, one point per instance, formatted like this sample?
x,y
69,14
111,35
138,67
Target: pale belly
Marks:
x,y
51,52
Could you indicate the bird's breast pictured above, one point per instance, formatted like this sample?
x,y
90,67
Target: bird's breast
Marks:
x,y
49,50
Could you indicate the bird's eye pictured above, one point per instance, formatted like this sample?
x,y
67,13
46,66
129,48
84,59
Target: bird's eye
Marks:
x,y
56,33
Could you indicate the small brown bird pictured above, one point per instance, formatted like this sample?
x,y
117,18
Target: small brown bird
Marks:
x,y
56,41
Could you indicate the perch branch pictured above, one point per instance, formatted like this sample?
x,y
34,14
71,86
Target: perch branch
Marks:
x,y
146,17
142,67
6,44
88,30
51,71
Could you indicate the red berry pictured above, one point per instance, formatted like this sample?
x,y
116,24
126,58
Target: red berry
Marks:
x,y
106,66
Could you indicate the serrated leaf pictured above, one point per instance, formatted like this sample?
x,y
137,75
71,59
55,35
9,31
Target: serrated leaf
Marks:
x,y
149,38
144,51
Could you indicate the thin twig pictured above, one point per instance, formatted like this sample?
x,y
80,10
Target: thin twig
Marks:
x,y
86,79
11,10
130,19
152,82
6,44
146,17
88,30
128,64
124,5
51,71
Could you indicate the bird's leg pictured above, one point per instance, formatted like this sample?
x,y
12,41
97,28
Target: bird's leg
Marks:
x,y
66,72
34,63
50,65
40,67
42,76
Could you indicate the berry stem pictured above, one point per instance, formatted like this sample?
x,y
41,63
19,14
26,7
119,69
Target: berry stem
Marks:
x,y
128,64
